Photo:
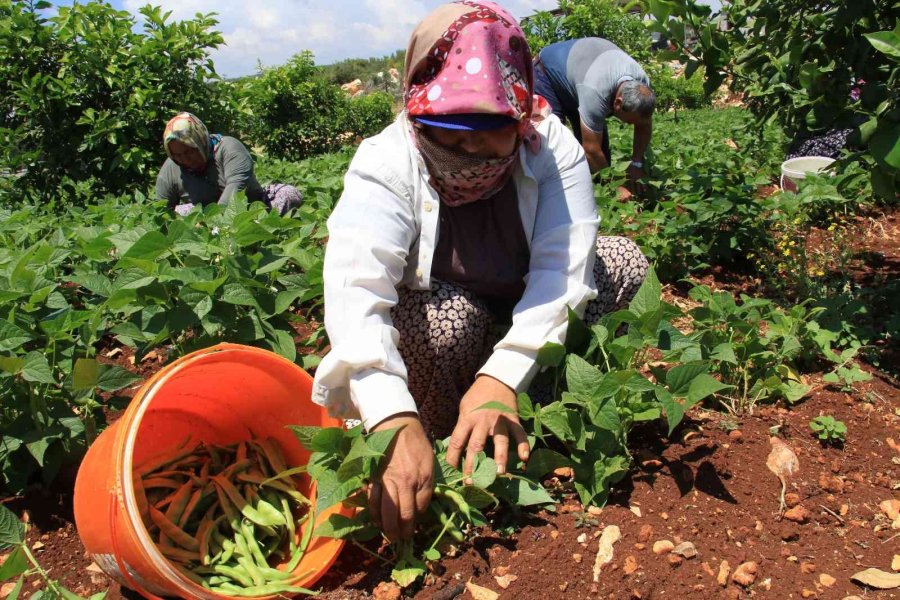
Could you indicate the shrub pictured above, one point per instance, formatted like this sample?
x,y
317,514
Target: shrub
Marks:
x,y
675,91
297,112
85,97
589,18
828,429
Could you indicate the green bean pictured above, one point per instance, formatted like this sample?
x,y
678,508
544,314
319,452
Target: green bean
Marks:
x,y
234,573
274,484
270,589
189,574
204,533
140,496
166,457
228,549
161,482
179,502
178,554
255,553
172,531
273,454
271,517
250,569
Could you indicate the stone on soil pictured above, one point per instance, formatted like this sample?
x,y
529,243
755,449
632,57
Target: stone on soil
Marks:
x,y
791,499
745,574
685,549
724,572
631,565
645,533
663,547
611,535
827,580
891,508
798,514
387,590
895,564
807,568
481,593
506,580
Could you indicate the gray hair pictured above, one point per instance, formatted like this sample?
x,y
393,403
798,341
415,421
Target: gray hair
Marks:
x,y
637,98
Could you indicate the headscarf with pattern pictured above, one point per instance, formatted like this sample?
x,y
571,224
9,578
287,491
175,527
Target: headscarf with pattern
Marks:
x,y
190,131
471,57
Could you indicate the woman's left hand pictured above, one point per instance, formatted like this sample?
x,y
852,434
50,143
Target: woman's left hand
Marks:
x,y
475,424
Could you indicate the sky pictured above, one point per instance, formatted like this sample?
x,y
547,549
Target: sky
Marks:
x,y
270,32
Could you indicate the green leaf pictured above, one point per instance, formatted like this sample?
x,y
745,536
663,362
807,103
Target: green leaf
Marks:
x,y
605,415
578,335
543,461
679,377
113,378
283,344
11,336
499,406
84,375
702,386
519,491
12,530
359,527
150,246
485,472
649,297
407,572
432,554
15,564
11,364
673,409
886,42
885,146
236,293
94,282
36,369
582,378
251,233
525,406
551,355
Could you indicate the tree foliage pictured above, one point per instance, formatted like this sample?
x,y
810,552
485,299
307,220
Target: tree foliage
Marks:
x,y
297,112
810,66
83,96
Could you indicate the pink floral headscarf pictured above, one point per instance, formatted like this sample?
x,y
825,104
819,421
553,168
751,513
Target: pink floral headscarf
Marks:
x,y
471,57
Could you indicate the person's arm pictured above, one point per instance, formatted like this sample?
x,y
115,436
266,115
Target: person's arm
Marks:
x,y
237,165
643,131
560,275
370,233
165,186
592,142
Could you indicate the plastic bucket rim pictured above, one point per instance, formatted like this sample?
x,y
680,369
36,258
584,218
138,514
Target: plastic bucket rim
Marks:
x,y
788,171
125,467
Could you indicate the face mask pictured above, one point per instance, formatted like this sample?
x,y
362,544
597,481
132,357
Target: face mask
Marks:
x,y
460,178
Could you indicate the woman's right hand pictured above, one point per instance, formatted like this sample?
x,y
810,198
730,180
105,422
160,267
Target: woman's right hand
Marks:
x,y
407,482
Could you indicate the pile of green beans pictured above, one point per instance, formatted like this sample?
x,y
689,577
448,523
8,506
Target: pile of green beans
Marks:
x,y
225,515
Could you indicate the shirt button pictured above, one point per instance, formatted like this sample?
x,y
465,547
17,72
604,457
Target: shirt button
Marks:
x,y
428,207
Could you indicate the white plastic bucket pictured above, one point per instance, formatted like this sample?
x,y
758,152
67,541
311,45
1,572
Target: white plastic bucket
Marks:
x,y
795,169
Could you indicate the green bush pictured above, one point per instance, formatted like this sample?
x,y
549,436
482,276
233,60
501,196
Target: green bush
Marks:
x,y
811,67
589,18
84,97
676,91
297,112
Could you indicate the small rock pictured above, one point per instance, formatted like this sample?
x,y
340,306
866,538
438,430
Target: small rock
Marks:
x,y
564,472
745,574
808,593
481,593
570,508
664,516
506,580
690,435
685,550
735,435
844,510
500,571
807,568
93,568
798,514
387,591
582,539
792,499
7,588
564,586
707,569
724,572
834,485
554,534
733,594
766,584
37,546
852,598
631,565
577,558
595,511
640,546
895,564
645,533
636,510
827,580
675,560
663,547
793,559
891,508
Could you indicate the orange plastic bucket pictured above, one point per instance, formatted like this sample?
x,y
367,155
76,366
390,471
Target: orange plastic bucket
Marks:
x,y
225,394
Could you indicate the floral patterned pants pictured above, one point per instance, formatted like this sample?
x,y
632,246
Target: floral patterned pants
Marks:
x,y
446,333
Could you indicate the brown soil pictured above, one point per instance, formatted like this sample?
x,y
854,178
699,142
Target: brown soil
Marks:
x,y
708,485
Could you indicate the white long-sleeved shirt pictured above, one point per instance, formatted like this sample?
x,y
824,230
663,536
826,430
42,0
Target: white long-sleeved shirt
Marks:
x,y
382,235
